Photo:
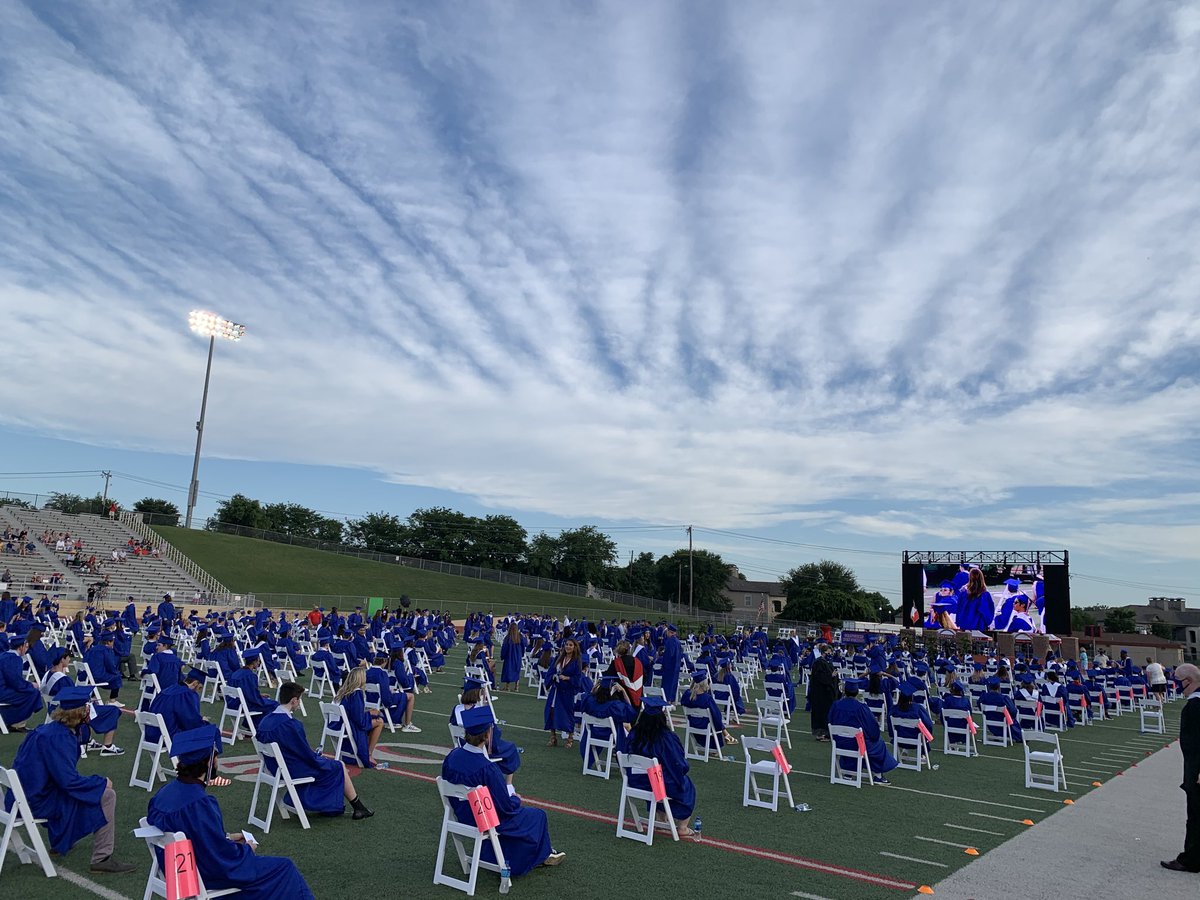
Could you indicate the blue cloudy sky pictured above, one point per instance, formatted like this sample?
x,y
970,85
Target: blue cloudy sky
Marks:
x,y
866,276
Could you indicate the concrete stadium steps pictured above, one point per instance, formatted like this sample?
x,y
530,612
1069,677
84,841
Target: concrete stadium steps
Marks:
x,y
142,577
41,561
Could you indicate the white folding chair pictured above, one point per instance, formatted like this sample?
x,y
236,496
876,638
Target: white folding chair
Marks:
x,y
909,745
155,748
457,734
213,683
1051,758
235,707
701,741
336,728
1098,706
771,718
281,778
993,718
460,833
768,767
877,704
1054,715
643,829
723,695
594,746
1153,721
17,818
956,723
839,774
1125,696
374,701
85,678
156,883
320,682
1029,715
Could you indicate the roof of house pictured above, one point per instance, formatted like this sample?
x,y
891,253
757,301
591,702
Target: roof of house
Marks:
x,y
741,586
1166,616
1132,640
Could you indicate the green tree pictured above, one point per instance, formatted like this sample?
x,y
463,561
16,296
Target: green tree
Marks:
x,y
74,503
1080,619
380,531
826,591
707,579
541,559
1120,621
17,502
584,553
237,510
1162,630
884,611
158,511
499,542
442,534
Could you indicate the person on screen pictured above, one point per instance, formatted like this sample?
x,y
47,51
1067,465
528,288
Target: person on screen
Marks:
x,y
1005,603
1019,619
976,610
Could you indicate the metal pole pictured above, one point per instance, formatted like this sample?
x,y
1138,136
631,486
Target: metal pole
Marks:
x,y
691,576
107,476
194,486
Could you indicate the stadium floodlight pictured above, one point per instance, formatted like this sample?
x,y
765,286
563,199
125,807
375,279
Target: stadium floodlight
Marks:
x,y
211,326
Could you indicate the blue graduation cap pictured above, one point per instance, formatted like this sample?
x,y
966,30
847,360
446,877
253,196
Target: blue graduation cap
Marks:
x,y
699,675
671,626
608,680
907,690
73,696
477,720
195,675
1013,584
852,685
1027,678
195,745
252,653
56,655
653,704
876,667
993,681
108,637
472,684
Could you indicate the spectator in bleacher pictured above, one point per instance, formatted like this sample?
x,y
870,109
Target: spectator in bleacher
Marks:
x,y
73,805
18,698
102,660
332,787
524,832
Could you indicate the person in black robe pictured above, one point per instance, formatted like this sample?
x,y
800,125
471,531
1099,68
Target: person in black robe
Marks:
x,y
822,691
1188,677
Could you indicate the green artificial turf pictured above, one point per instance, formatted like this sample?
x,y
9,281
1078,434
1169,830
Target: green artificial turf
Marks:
x,y
393,853
249,565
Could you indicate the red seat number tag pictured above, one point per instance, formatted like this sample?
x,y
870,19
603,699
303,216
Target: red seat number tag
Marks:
x,y
180,863
862,744
925,732
784,765
486,817
658,787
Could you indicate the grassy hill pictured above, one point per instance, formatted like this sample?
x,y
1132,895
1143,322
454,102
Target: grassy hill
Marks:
x,y
248,565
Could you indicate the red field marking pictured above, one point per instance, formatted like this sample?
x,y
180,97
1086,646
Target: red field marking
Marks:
x,y
729,846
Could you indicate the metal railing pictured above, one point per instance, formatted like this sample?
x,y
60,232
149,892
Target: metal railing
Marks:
x,y
135,522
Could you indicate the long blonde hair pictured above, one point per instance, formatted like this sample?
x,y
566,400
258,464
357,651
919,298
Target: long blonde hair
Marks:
x,y
356,680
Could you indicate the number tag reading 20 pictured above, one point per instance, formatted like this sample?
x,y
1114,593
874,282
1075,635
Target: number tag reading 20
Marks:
x,y
482,808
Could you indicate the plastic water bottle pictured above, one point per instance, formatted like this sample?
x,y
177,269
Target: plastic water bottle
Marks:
x,y
696,825
505,878
802,807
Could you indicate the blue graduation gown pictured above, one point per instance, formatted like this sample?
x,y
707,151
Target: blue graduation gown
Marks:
x,y
325,794
993,698
704,701
21,697
103,663
184,806
506,754
975,613
247,680
668,750
671,654
524,831
559,714
953,701
618,710
789,689
68,801
394,701
103,718
354,708
511,654
849,712
1052,699
905,723
167,666
179,706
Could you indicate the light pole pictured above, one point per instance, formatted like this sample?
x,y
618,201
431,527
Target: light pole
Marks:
x,y
211,326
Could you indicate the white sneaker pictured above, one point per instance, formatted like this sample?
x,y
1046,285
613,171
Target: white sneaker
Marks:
x,y
112,750
411,729
115,703
94,745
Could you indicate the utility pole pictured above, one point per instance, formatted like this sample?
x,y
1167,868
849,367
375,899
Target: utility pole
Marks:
x,y
631,571
107,476
679,588
691,578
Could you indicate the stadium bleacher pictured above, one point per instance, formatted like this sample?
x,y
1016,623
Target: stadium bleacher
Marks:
x,y
143,577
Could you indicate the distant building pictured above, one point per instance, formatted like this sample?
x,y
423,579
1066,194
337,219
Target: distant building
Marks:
x,y
754,601
1172,611
1140,647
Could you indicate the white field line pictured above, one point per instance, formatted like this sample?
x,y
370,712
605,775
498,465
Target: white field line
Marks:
x,y
997,818
966,828
927,862
943,843
88,885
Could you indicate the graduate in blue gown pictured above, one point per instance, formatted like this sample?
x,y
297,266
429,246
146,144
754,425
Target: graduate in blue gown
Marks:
x,y
652,737
956,699
524,832
102,719
907,714
20,698
849,712
512,651
1055,694
332,787
563,679
726,676
699,697
222,861
365,724
777,677
503,753
672,654
608,700
976,609
179,706
103,662
246,678
993,699
73,805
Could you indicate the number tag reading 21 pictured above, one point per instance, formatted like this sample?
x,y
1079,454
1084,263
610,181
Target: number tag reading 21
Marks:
x,y
180,863
482,808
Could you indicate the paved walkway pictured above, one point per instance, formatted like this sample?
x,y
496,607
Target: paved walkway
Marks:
x,y
1107,845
